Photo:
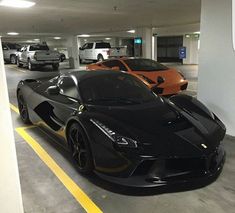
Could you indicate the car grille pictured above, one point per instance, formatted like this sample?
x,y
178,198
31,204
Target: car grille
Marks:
x,y
157,90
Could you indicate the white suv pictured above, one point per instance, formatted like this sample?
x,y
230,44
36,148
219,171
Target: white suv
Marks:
x,y
94,51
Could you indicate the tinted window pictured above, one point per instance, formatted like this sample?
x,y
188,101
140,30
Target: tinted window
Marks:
x,y
115,89
102,45
38,47
68,87
89,46
115,63
144,65
13,46
4,47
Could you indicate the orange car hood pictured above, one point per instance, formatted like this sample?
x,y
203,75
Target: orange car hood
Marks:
x,y
171,76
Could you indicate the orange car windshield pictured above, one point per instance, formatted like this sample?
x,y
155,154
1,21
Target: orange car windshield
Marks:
x,y
145,65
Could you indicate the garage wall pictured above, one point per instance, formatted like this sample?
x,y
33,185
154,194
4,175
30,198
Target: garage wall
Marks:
x,y
216,85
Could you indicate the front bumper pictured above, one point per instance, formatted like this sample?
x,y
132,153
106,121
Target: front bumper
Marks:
x,y
159,173
170,89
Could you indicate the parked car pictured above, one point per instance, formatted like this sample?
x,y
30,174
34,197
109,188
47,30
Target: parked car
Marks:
x,y
114,125
99,51
38,55
162,80
10,51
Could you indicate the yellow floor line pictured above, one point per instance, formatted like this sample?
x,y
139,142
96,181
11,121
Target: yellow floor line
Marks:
x,y
14,108
17,69
71,186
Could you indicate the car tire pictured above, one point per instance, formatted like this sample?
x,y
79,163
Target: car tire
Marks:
x,y
30,66
55,67
23,109
80,149
100,58
18,63
13,59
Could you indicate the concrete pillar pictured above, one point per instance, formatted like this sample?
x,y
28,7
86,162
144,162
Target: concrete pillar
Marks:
x,y
73,44
146,34
10,192
217,61
192,50
154,47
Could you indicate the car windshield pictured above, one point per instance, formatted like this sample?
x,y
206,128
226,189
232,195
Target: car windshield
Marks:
x,y
144,65
38,47
115,90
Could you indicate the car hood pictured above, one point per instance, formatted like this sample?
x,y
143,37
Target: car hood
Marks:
x,y
162,129
171,76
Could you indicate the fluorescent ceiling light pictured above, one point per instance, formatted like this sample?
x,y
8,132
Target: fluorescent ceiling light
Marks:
x,y
197,32
12,33
187,36
57,38
36,39
17,3
29,41
107,38
84,35
131,31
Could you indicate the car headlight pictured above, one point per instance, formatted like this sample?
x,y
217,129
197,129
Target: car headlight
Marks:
x,y
115,137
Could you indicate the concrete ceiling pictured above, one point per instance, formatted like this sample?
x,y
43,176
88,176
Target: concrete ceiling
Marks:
x,y
64,17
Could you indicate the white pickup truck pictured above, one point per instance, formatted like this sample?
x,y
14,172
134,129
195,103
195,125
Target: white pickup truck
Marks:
x,y
99,51
38,55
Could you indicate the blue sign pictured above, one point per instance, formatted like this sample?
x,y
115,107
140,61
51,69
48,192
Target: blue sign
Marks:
x,y
182,52
138,40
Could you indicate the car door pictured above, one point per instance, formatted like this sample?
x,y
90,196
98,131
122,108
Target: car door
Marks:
x,y
55,110
82,51
90,51
23,55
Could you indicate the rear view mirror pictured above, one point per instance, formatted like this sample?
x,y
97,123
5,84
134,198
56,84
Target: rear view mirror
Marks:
x,y
53,90
116,68
160,80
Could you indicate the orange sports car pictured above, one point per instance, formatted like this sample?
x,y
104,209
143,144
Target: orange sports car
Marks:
x,y
161,79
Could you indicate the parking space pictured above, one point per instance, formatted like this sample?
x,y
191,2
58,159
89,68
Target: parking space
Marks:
x,y
42,186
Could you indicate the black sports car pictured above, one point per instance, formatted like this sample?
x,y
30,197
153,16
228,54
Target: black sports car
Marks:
x,y
117,127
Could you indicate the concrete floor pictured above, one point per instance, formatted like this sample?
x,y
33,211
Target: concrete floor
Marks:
x,y
43,192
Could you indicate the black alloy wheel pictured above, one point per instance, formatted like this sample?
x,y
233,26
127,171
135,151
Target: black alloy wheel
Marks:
x,y
18,62
80,149
13,59
23,109
100,58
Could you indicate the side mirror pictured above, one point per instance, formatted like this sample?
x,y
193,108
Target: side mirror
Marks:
x,y
80,48
160,80
53,90
116,68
